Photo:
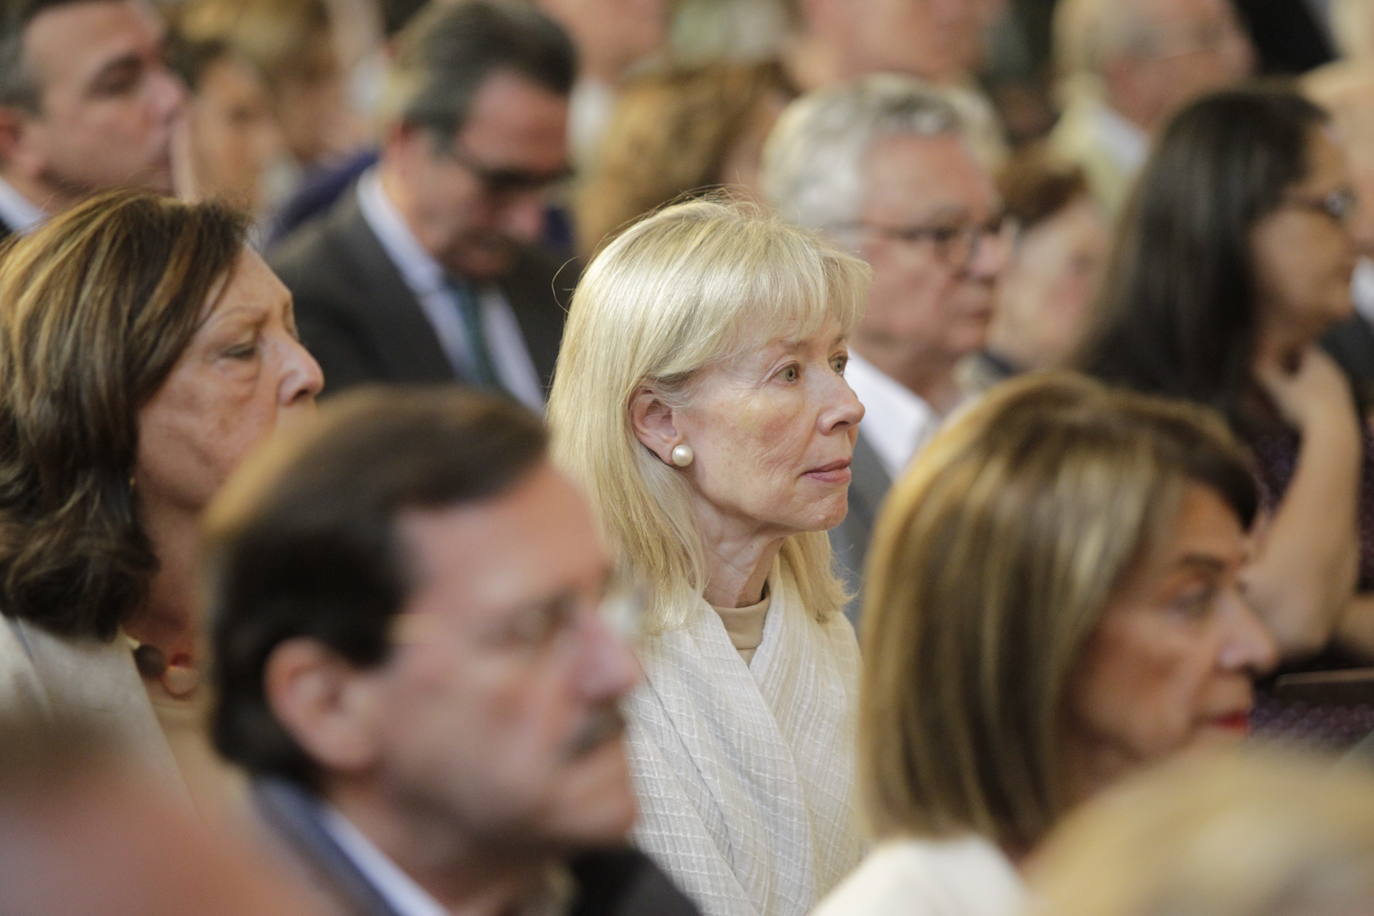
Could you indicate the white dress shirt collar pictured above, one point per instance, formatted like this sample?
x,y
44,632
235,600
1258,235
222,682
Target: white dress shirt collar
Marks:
x,y
897,422
417,267
431,286
399,889
551,897
17,211
1126,143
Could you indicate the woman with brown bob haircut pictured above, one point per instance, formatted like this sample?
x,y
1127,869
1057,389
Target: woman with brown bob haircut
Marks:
x,y
1052,600
686,131
143,350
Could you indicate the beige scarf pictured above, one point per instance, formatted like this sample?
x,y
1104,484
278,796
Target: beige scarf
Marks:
x,y
745,773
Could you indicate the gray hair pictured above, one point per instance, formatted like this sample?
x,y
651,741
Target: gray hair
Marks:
x,y
813,163
446,53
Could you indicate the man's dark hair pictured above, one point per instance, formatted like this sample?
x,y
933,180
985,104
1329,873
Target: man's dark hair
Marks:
x,y
303,542
17,87
446,53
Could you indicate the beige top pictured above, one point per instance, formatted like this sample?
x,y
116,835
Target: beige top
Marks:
x,y
745,626
218,790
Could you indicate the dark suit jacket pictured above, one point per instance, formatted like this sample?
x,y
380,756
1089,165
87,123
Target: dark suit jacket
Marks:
x,y
868,485
363,324
609,883
1288,38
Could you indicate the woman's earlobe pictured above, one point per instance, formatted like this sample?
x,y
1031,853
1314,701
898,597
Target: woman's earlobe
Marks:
x,y
654,424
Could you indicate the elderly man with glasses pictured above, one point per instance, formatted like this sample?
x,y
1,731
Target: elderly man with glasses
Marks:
x,y
884,166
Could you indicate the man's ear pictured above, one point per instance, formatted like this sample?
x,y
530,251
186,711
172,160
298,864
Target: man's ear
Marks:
x,y
327,705
16,156
654,424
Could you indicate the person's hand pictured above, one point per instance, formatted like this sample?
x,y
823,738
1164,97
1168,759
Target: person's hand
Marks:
x,y
1308,389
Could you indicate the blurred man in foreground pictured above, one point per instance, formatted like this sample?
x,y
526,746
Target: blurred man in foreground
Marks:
x,y
416,663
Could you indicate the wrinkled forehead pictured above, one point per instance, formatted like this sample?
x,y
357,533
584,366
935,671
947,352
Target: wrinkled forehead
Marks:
x,y
919,176
495,556
786,321
72,44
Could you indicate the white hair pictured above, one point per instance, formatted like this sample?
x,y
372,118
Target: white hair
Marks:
x,y
813,162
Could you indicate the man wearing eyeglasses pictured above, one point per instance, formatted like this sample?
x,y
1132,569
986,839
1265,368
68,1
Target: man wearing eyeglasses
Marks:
x,y
1125,66
428,270
884,167
420,650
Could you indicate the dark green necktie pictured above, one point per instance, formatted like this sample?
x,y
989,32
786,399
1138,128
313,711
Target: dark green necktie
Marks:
x,y
481,367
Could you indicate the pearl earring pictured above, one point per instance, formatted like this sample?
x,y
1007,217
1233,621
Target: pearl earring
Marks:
x,y
682,455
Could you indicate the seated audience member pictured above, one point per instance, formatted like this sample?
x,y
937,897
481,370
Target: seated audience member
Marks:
x,y
1125,66
416,664
1346,89
613,39
294,44
234,135
143,351
86,105
85,830
677,132
1051,279
1233,259
700,399
938,41
1216,835
428,271
317,191
884,166
1052,600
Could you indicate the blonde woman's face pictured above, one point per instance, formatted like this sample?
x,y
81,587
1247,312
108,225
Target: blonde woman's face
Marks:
x,y
1171,662
773,431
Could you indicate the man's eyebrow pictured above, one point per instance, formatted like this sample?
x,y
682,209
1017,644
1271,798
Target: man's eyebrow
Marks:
x,y
1202,562
130,60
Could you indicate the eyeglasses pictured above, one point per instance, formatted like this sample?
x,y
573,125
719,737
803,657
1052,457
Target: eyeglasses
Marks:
x,y
503,182
954,245
547,624
1338,205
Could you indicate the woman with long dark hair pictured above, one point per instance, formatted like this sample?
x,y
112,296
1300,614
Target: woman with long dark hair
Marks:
x,y
1234,256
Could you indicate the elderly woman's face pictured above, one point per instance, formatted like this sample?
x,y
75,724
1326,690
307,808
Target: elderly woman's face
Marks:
x,y
1171,662
243,373
773,431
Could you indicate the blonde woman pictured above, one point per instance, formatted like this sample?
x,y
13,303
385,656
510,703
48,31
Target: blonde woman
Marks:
x,y
700,398
1052,601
